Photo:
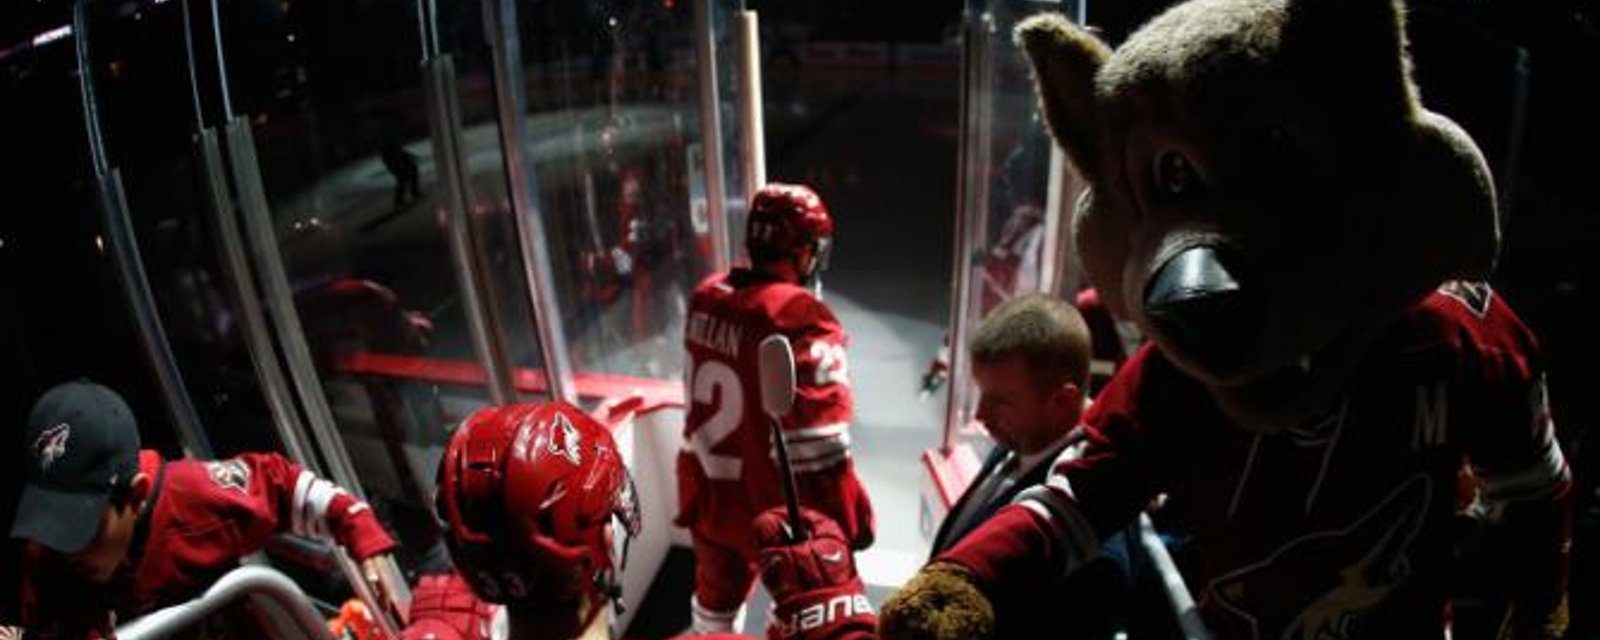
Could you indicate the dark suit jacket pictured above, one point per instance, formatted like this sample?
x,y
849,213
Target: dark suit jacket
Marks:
x,y
945,538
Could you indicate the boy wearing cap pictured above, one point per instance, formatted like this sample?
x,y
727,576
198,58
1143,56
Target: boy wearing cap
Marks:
x,y
114,531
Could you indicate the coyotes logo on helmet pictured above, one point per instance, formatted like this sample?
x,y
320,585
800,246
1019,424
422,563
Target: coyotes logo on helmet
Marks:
x,y
1318,586
51,445
565,441
230,474
1475,296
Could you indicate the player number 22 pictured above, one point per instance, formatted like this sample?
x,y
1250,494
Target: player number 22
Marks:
x,y
831,363
711,380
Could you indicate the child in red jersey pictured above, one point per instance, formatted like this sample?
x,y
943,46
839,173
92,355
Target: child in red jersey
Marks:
x,y
114,531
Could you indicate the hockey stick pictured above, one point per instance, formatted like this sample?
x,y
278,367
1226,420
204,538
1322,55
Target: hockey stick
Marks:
x,y
777,396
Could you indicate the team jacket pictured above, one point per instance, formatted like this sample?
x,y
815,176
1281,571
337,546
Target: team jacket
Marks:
x,y
1340,528
202,518
726,470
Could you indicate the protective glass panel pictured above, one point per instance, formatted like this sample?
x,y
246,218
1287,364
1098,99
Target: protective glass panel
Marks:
x,y
730,120
150,113
1008,201
63,314
334,94
1015,149
614,143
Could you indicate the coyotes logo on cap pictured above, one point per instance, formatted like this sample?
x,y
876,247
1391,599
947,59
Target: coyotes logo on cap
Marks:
x,y
51,445
230,474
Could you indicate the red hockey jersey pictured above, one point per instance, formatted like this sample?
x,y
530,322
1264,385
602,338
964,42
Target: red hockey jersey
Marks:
x,y
203,516
1340,528
727,472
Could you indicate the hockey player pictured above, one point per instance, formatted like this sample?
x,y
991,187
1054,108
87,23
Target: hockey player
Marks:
x,y
114,531
531,496
539,509
726,472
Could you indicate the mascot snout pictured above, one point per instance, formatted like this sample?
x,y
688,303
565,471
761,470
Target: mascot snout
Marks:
x,y
1201,301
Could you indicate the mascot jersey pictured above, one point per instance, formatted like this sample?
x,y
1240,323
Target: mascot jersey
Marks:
x,y
726,469
1340,528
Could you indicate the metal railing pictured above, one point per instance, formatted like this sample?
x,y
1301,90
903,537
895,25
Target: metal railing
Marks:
x,y
1183,605
237,584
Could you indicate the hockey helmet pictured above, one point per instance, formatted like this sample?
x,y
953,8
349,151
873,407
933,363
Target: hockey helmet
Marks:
x,y
528,495
784,220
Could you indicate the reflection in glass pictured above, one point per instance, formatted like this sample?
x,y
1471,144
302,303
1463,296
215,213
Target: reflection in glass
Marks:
x,y
1006,204
333,94
613,140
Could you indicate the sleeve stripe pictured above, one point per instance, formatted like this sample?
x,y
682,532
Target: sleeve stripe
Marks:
x,y
302,483
312,496
818,448
821,431
1536,480
1039,510
819,464
1054,504
1060,498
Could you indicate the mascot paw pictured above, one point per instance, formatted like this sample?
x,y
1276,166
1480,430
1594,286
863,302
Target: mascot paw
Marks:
x,y
940,602
1550,625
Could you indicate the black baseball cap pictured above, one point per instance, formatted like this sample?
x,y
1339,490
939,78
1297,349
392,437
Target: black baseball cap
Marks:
x,y
82,445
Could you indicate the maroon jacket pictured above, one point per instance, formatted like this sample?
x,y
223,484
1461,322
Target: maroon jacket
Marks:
x,y
203,516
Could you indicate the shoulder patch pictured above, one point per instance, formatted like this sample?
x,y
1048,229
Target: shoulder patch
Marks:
x,y
230,474
1475,296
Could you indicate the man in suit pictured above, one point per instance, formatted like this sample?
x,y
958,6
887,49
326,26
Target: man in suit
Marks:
x,y
1030,360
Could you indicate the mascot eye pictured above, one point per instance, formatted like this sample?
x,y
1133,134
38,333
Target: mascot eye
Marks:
x,y
1278,137
1174,176
1279,148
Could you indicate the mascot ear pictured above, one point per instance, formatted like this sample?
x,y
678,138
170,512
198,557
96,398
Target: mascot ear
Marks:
x,y
1065,59
1447,225
1356,38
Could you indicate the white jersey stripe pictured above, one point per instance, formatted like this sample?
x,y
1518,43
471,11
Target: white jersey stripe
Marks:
x,y
1537,480
1054,503
312,496
821,431
302,483
819,464
818,448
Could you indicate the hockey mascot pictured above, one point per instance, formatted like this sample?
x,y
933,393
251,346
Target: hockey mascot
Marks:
x,y
1306,248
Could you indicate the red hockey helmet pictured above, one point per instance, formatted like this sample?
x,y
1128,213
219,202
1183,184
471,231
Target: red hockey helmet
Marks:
x,y
528,494
786,219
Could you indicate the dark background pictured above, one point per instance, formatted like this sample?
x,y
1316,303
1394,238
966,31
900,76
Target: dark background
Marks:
x,y
880,148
